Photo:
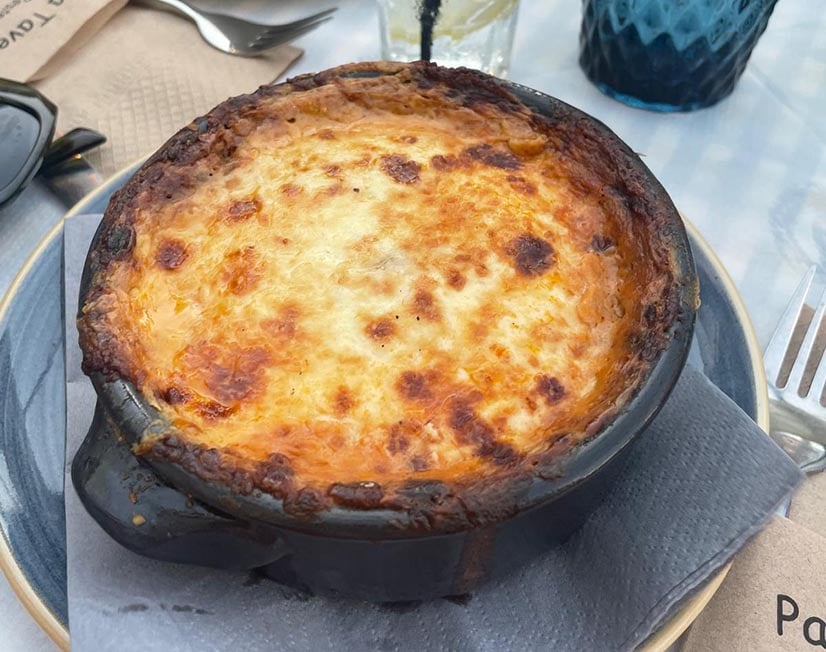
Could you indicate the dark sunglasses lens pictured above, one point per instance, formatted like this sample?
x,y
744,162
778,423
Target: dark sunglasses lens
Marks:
x,y
19,132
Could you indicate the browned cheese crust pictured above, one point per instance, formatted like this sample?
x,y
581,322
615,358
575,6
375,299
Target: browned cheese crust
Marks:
x,y
345,288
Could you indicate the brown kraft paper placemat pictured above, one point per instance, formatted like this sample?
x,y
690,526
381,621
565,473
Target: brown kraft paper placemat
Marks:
x,y
773,598
146,74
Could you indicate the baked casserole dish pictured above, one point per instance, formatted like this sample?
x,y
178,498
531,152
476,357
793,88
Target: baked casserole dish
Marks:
x,y
389,305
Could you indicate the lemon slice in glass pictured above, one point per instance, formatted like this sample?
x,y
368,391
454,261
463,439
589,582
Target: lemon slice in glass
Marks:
x,y
456,20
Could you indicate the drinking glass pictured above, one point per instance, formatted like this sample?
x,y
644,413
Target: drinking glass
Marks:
x,y
471,33
669,55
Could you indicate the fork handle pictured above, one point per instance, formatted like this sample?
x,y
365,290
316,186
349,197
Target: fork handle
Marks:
x,y
810,458
173,6
790,419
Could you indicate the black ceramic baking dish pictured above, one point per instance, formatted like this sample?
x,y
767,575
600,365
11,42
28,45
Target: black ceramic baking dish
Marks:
x,y
160,510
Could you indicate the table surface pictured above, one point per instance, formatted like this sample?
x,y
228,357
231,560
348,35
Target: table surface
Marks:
x,y
750,173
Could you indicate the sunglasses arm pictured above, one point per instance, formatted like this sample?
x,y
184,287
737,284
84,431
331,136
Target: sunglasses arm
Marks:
x,y
71,144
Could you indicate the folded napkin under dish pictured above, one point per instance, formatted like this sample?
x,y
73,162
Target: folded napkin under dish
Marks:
x,y
698,484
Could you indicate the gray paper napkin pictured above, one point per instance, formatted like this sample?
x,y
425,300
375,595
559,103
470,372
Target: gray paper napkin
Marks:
x,y
700,481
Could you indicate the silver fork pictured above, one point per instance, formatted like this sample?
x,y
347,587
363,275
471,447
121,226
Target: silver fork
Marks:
x,y
238,36
798,422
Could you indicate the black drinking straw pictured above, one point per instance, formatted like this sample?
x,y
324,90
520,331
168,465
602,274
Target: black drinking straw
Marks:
x,y
427,19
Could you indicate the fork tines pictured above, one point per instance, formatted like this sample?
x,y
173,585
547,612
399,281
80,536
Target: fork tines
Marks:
x,y
295,29
780,345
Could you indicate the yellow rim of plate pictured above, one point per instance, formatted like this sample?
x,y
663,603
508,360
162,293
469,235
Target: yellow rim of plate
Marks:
x,y
665,637
658,642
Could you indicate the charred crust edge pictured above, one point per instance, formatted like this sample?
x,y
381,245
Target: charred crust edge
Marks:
x,y
429,505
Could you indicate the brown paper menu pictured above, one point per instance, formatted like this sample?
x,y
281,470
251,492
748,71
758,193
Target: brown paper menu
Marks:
x,y
774,598
809,508
32,32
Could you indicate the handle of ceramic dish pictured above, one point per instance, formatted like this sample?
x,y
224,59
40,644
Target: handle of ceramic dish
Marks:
x,y
153,519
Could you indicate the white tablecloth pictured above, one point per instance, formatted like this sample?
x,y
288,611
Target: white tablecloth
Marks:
x,y
749,172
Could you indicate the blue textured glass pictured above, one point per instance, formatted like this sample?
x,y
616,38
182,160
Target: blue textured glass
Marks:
x,y
669,55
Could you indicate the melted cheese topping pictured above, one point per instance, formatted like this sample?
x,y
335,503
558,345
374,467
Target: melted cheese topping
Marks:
x,y
377,291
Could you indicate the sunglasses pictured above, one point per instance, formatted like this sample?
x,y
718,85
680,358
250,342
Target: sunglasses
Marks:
x,y
27,124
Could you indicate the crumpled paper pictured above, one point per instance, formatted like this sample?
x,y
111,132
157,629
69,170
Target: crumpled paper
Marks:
x,y
698,484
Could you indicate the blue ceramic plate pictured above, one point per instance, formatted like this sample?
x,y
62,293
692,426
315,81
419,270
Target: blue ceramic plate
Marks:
x,y
33,407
